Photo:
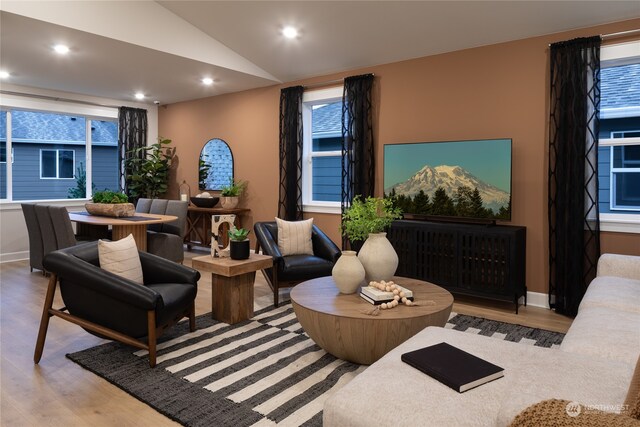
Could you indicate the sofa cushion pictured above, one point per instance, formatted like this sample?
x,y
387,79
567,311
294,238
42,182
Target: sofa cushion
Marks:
x,y
294,237
121,258
614,292
425,401
605,332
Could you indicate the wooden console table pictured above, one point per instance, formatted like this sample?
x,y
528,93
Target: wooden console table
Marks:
x,y
199,224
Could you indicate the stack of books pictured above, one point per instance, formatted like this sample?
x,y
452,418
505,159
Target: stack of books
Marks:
x,y
376,297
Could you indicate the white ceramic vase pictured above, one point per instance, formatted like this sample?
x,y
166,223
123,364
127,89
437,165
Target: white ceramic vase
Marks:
x,y
348,273
378,257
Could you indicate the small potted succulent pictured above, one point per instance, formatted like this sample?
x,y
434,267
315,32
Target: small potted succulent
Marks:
x,y
230,194
239,245
110,203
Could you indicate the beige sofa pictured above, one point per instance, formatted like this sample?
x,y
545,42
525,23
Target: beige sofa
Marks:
x,y
593,366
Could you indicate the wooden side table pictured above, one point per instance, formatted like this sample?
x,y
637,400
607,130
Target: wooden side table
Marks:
x,y
232,284
199,224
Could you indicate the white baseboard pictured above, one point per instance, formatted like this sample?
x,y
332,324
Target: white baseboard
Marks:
x,y
14,256
536,299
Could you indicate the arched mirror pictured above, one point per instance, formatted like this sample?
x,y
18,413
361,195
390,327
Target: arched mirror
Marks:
x,y
215,168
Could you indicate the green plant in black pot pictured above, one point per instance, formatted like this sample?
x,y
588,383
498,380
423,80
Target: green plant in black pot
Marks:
x,y
239,244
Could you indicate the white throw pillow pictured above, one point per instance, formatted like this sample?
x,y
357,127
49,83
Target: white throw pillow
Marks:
x,y
121,257
294,237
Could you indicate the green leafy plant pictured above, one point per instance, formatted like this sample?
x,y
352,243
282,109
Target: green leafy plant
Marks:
x,y
148,169
238,235
234,189
371,215
80,190
108,196
203,172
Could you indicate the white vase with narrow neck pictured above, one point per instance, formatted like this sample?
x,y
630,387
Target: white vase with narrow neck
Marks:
x,y
348,273
378,257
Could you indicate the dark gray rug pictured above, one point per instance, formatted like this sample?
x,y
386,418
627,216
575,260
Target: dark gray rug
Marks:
x,y
264,370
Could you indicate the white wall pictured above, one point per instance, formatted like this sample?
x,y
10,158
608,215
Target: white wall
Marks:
x,y
14,241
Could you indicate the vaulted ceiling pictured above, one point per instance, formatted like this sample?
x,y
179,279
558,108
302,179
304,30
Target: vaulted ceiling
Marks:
x,y
163,49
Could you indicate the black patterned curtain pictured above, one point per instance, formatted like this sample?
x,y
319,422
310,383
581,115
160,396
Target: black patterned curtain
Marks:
x,y
290,194
574,230
358,157
132,134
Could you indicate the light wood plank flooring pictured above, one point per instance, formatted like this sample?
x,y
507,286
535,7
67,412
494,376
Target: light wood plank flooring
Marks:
x,y
57,392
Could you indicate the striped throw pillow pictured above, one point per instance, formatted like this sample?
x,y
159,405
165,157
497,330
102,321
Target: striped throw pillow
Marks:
x,y
294,237
121,258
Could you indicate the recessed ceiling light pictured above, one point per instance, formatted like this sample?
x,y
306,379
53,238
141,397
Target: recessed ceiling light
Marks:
x,y
61,49
290,32
4,74
207,81
139,95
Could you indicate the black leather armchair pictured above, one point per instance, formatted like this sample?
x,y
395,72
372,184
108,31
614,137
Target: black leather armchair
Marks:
x,y
112,307
290,270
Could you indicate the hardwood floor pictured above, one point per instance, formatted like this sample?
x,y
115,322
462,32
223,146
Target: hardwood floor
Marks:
x,y
57,392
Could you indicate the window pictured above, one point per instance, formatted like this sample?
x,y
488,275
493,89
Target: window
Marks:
x,y
55,156
57,164
322,152
619,138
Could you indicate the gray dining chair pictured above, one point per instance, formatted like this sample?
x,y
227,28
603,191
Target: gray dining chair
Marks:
x,y
36,248
167,239
49,243
62,227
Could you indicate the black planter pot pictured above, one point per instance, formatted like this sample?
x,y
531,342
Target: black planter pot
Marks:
x,y
239,250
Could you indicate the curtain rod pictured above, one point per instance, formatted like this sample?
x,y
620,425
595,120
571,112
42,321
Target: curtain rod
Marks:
x,y
327,83
55,98
620,34
616,35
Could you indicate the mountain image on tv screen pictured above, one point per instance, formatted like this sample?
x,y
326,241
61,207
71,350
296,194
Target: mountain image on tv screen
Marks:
x,y
458,178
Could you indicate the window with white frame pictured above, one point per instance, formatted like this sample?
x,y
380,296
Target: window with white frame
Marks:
x,y
322,150
57,164
619,138
56,156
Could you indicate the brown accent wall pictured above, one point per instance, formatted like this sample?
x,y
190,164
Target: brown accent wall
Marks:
x,y
497,91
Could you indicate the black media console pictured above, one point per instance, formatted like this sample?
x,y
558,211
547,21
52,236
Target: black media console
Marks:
x,y
471,259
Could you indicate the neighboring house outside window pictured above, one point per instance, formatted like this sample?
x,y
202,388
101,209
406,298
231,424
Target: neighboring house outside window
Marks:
x,y
50,153
322,153
619,141
3,154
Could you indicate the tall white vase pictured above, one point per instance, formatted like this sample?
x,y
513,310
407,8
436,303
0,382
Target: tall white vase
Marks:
x,y
378,258
348,273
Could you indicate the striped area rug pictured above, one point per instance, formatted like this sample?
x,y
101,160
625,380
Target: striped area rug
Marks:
x,y
265,371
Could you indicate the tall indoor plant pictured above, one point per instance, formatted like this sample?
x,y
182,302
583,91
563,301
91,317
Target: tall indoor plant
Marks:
x,y
369,219
149,169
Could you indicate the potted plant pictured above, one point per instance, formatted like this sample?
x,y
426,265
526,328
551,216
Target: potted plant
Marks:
x,y
239,245
369,219
110,203
229,194
148,169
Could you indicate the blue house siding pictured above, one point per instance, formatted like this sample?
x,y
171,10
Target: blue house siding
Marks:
x,y
105,167
27,184
327,173
3,180
604,178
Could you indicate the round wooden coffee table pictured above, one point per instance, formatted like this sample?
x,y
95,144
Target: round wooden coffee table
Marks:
x,y
338,324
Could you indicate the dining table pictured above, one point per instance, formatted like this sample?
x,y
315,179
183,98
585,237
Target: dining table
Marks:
x,y
121,227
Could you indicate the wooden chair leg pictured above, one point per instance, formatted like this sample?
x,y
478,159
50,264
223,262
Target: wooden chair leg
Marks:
x,y
275,287
192,317
151,337
44,320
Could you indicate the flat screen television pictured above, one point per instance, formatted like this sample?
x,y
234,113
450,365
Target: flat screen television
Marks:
x,y
452,179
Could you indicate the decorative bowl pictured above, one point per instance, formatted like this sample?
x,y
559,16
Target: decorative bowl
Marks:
x,y
205,202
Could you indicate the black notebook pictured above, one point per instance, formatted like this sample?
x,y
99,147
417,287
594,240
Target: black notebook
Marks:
x,y
453,367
